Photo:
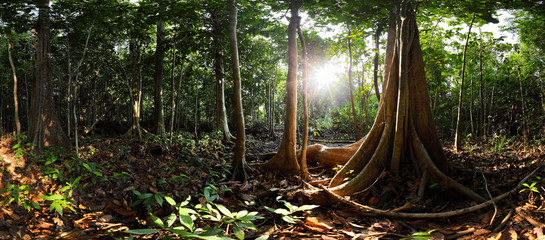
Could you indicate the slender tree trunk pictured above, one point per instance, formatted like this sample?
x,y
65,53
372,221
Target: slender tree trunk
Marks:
x,y
285,159
221,111
135,93
377,55
525,130
15,100
357,129
45,129
471,120
457,137
303,155
173,89
482,104
159,59
239,162
272,102
492,101
542,92
69,96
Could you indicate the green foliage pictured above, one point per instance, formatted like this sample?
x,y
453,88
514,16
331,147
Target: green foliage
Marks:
x,y
148,200
287,213
63,197
420,235
17,194
531,186
500,144
181,221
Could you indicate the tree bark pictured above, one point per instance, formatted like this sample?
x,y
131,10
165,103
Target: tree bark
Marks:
x,y
45,129
159,59
303,155
377,55
350,87
457,137
221,111
285,159
15,100
239,161
404,133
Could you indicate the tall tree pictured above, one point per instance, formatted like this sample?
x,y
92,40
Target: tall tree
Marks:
x,y
221,111
159,60
15,100
350,86
375,61
285,159
239,161
45,129
304,89
457,139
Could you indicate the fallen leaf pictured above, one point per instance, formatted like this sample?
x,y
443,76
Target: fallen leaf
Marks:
x,y
318,222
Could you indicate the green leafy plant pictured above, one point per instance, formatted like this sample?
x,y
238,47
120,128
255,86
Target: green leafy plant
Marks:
x,y
186,229
287,213
500,144
531,187
149,199
63,197
18,194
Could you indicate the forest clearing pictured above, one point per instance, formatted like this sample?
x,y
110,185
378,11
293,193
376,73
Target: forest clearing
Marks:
x,y
272,119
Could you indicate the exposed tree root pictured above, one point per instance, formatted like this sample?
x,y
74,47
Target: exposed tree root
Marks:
x,y
370,210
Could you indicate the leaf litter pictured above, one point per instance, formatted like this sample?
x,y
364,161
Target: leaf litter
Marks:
x,y
116,169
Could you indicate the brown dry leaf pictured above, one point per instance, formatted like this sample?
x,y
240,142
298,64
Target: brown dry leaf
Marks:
x,y
319,223
510,234
436,235
324,237
481,232
44,225
336,219
373,201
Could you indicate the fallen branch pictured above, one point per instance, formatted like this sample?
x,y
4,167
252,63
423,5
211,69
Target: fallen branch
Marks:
x,y
367,209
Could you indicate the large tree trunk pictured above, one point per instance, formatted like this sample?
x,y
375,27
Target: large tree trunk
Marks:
x,y
158,98
457,138
45,129
285,159
403,136
239,161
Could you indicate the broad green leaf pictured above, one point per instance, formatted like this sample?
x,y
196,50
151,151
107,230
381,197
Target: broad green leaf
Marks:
x,y
157,220
240,214
144,231
159,199
282,211
170,200
239,233
185,219
171,219
146,196
57,206
52,197
224,210
247,225
288,219
289,206
305,207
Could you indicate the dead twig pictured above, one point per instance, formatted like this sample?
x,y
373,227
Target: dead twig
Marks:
x,y
367,209
490,196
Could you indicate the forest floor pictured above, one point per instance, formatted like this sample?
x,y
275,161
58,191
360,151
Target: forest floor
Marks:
x,y
115,183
